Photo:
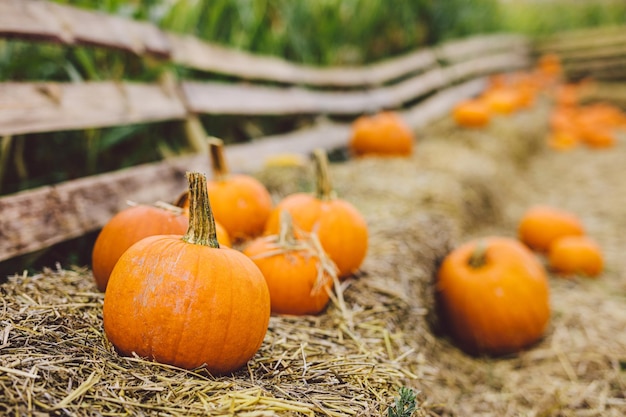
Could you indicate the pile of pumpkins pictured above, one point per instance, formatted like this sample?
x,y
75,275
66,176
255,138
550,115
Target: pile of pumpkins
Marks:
x,y
176,289
572,124
506,94
493,292
193,284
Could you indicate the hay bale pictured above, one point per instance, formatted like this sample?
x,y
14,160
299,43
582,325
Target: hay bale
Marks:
x,y
377,333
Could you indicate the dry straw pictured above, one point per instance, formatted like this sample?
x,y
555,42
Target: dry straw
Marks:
x,y
378,334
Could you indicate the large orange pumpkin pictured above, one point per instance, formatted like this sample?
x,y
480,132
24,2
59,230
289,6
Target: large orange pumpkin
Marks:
x,y
340,227
494,297
298,272
540,225
240,202
571,255
382,134
185,301
128,227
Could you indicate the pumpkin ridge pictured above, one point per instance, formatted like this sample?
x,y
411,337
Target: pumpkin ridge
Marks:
x,y
187,316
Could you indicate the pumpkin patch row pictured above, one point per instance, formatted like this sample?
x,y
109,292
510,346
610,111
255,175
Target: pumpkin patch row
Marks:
x,y
561,237
175,290
507,94
573,124
200,265
493,292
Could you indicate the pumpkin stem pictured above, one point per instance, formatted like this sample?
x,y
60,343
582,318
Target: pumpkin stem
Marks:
x,y
323,187
218,162
286,235
478,258
201,229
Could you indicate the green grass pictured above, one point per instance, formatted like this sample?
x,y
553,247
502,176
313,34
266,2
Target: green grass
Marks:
x,y
542,18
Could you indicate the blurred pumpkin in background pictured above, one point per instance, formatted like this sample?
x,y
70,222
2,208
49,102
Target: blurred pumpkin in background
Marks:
x,y
540,225
571,255
493,296
471,113
382,134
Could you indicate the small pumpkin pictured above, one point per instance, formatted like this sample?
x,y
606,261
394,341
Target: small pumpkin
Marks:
x,y
382,134
298,272
240,202
550,64
128,227
493,295
340,227
471,113
541,225
501,100
186,301
571,255
563,140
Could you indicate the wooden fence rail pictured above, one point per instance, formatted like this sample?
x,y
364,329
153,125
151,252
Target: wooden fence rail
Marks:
x,y
599,53
422,86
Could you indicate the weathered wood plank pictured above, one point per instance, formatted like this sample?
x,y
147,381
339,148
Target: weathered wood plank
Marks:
x,y
51,21
45,107
36,219
30,20
194,53
479,45
599,53
578,40
222,98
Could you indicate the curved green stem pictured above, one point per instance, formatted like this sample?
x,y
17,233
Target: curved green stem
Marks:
x,y
201,229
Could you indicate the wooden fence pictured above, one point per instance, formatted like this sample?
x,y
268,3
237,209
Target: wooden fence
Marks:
x,y
422,85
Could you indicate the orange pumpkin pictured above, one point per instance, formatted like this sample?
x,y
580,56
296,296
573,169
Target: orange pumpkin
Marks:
x,y
383,134
567,95
570,255
471,113
240,202
563,140
298,272
128,227
541,225
493,295
550,64
185,301
340,227
501,100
